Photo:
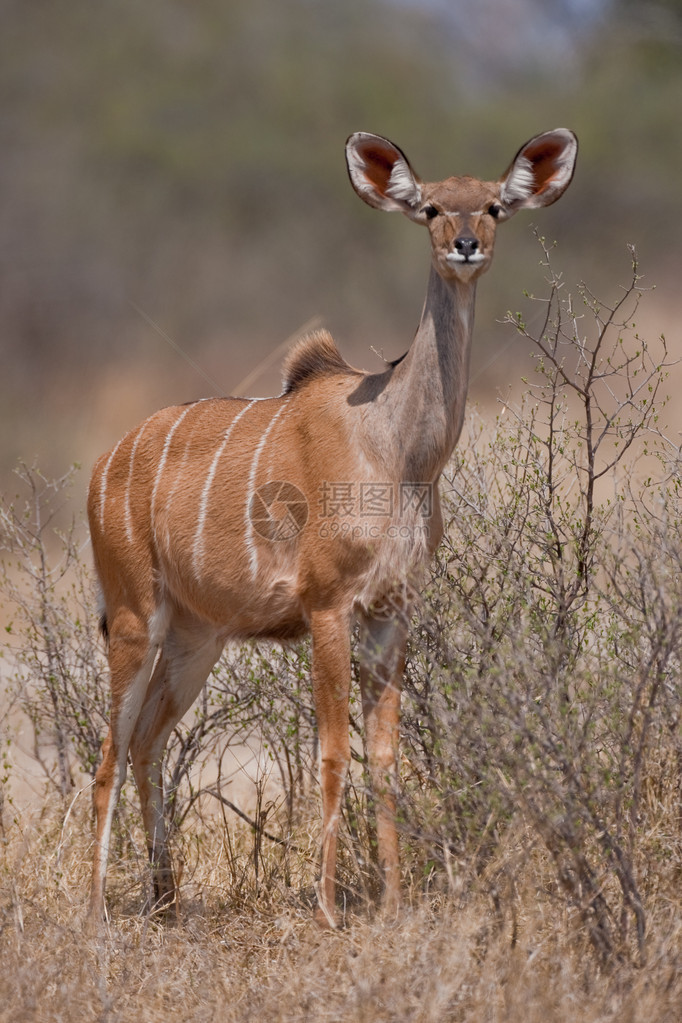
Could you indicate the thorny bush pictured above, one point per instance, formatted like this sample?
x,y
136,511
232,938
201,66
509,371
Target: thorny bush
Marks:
x,y
543,680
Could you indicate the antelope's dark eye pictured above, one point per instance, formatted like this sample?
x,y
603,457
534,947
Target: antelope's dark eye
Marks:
x,y
430,212
494,210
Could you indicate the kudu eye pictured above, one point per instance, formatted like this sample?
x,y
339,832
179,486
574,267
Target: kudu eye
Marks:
x,y
429,212
494,210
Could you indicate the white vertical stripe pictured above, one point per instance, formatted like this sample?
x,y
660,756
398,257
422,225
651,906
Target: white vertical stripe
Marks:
x,y
248,535
198,553
103,483
179,475
128,513
164,456
159,471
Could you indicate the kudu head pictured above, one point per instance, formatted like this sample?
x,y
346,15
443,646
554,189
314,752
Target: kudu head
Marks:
x,y
461,213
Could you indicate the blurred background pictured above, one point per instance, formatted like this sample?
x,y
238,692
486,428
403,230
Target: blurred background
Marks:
x,y
183,163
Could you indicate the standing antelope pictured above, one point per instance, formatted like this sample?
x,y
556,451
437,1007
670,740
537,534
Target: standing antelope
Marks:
x,y
271,518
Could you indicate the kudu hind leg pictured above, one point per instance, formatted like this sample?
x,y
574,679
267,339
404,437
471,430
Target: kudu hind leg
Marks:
x,y
178,678
131,658
146,752
382,642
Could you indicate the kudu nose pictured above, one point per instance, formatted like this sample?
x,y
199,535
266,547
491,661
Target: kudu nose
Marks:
x,y
466,246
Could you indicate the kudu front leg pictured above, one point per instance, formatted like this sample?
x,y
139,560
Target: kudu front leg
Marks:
x,y
331,687
383,638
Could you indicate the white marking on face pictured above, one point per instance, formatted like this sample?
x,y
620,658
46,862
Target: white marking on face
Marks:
x,y
198,551
248,536
458,258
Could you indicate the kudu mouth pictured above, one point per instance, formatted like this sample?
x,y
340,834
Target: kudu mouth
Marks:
x,y
457,259
463,265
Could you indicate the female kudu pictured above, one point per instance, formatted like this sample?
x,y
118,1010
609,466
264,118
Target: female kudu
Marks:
x,y
232,518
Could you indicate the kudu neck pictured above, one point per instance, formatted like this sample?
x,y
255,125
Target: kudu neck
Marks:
x,y
429,387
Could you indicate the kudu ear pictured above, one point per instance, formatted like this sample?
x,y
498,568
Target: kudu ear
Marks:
x,y
381,174
541,171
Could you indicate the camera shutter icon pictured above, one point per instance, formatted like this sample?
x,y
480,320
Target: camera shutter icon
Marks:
x,y
278,511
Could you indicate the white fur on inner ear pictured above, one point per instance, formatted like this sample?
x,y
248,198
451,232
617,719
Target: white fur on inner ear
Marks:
x,y
402,191
529,186
520,183
402,185
356,167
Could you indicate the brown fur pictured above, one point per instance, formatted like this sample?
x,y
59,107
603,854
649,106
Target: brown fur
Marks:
x,y
315,355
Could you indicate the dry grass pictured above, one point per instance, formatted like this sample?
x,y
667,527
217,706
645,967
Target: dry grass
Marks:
x,y
248,953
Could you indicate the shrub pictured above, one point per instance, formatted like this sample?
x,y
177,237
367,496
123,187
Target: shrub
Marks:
x,y
544,670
